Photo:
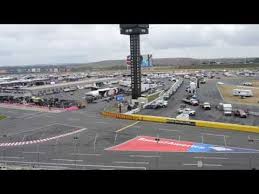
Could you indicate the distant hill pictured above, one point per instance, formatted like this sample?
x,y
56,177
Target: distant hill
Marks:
x,y
174,62
156,62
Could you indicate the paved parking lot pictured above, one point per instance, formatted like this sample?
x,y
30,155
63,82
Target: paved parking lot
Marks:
x,y
206,93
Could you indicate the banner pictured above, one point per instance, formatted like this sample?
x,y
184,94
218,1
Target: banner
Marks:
x,y
145,62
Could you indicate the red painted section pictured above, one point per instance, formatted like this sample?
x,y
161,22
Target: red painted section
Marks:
x,y
150,144
72,108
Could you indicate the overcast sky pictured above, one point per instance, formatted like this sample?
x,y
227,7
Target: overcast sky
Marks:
x,y
48,44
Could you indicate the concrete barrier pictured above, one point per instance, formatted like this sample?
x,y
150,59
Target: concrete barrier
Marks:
x,y
198,123
228,126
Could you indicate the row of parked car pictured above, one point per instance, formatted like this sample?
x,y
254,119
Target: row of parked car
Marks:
x,y
186,110
157,104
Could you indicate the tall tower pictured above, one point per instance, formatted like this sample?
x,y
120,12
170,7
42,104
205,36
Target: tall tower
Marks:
x,y
134,30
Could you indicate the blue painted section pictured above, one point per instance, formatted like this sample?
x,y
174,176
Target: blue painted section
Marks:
x,y
209,148
199,147
119,98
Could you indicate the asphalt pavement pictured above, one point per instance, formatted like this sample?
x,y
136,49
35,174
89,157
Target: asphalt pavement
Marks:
x,y
79,139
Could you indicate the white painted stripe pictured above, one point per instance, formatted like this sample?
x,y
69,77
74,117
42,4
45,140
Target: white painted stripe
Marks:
x,y
202,165
101,122
68,160
79,165
220,135
54,167
107,169
212,164
42,140
144,156
168,130
34,152
201,157
14,157
79,154
126,162
190,164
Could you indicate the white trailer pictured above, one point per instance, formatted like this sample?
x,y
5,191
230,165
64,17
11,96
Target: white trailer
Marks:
x,y
242,92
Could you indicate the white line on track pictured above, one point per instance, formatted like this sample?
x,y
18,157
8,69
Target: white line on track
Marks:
x,y
190,164
220,135
219,158
68,160
107,169
14,157
202,164
212,165
101,122
34,152
144,156
79,165
123,128
79,154
162,129
54,167
126,162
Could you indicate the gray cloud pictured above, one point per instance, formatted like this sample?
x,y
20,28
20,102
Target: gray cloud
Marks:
x,y
37,44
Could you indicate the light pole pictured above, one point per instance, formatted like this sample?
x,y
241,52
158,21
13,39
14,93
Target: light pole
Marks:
x,y
75,142
95,141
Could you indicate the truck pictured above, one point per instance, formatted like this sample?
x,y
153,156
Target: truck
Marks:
x,y
242,92
206,106
162,103
227,108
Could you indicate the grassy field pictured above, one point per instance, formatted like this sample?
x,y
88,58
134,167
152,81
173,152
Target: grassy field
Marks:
x,y
152,97
2,117
227,93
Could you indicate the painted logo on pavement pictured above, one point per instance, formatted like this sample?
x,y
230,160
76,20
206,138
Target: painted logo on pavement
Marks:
x,y
152,144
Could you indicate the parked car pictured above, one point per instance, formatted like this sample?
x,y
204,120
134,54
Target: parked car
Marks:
x,y
240,113
195,97
247,84
162,103
194,102
152,106
187,101
206,106
188,111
